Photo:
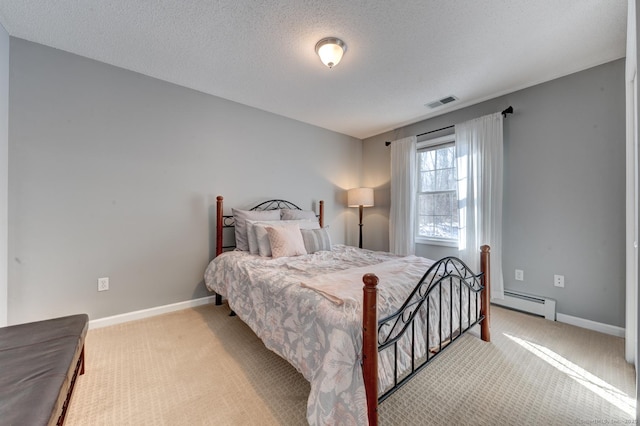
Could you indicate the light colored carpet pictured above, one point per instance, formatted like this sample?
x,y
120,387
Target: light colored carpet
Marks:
x,y
201,367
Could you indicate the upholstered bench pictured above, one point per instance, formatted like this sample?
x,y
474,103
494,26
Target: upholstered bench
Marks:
x,y
39,364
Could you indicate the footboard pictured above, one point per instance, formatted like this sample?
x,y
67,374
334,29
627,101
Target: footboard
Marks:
x,y
449,300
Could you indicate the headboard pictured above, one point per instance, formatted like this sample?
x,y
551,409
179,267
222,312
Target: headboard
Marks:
x,y
227,221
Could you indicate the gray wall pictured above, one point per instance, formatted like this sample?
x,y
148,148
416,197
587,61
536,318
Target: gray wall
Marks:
x,y
632,51
633,33
4,169
564,189
115,174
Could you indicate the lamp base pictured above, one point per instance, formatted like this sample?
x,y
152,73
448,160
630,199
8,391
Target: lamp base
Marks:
x,y
360,208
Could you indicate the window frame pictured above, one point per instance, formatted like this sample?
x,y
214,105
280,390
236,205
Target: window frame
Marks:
x,y
429,143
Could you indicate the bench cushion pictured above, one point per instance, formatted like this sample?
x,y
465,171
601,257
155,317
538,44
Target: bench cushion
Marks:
x,y
37,362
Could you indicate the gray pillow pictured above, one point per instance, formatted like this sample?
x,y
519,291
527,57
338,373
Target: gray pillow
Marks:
x,y
316,240
291,214
241,216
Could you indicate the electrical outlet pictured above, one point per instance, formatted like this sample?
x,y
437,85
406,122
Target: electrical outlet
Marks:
x,y
103,284
558,280
519,275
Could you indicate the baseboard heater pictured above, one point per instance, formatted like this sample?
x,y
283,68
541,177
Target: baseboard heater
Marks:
x,y
537,305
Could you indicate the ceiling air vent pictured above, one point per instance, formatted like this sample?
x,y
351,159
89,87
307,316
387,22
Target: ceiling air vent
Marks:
x,y
441,102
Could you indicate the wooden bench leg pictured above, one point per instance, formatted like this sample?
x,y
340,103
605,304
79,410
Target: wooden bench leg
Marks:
x,y
79,370
82,361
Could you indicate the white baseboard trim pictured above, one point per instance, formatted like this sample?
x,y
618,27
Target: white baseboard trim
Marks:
x,y
151,312
591,325
158,310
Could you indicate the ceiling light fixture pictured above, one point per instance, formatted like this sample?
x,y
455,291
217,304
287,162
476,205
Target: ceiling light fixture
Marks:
x,y
330,50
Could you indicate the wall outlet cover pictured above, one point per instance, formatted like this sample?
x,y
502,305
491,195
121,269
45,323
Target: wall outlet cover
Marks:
x,y
103,284
558,280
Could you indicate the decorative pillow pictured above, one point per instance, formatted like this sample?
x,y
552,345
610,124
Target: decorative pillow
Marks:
x,y
291,214
259,241
316,240
285,241
241,216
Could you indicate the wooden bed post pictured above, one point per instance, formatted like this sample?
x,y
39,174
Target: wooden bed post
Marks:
x,y
485,268
219,225
370,345
321,214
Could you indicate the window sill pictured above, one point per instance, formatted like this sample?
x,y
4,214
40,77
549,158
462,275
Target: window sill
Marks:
x,y
433,242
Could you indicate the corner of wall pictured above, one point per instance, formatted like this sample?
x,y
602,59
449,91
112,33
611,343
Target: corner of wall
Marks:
x,y
4,172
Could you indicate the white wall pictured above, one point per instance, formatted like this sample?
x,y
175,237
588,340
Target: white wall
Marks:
x,y
631,186
564,199
4,170
632,344
115,174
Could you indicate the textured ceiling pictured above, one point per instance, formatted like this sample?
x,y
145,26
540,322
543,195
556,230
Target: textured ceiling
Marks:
x,y
401,55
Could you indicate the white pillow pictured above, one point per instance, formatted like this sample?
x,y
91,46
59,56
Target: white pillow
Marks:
x,y
241,216
291,214
251,236
285,241
260,238
316,240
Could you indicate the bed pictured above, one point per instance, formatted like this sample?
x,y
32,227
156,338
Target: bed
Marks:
x,y
320,311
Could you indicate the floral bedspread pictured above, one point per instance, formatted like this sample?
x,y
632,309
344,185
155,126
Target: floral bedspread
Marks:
x,y
322,340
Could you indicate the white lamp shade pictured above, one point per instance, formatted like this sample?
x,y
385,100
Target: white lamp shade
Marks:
x,y
360,197
330,51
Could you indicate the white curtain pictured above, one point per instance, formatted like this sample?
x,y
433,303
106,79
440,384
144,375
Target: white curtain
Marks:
x,y
479,161
403,191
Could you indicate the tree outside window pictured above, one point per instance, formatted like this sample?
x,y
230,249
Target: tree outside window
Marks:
x,y
437,197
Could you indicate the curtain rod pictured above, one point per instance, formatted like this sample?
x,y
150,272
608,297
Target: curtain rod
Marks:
x,y
509,110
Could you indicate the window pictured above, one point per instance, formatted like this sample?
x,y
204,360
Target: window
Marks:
x,y
437,197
